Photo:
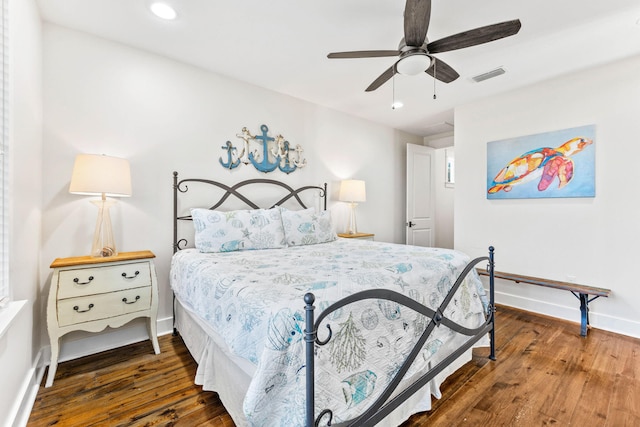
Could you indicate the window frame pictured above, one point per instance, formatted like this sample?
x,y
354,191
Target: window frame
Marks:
x,y
5,290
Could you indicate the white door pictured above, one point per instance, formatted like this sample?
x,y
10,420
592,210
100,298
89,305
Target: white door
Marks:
x,y
420,195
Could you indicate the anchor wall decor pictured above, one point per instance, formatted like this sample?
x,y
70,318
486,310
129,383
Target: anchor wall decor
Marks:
x,y
276,152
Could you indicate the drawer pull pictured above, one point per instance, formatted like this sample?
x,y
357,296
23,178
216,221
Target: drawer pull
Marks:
x,y
78,282
124,300
76,308
131,277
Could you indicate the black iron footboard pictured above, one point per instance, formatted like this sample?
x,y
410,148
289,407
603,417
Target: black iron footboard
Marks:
x,y
383,405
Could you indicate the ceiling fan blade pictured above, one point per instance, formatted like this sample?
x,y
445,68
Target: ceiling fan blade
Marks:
x,y
417,14
442,71
363,54
475,37
383,78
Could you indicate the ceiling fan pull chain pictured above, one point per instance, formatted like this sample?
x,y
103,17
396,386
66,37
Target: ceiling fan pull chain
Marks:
x,y
393,92
435,65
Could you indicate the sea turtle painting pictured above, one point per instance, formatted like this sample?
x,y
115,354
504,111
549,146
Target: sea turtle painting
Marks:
x,y
544,166
544,162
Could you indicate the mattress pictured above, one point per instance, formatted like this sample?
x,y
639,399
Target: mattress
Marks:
x,y
249,306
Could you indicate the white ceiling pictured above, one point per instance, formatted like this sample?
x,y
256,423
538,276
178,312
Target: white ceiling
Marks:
x,y
282,45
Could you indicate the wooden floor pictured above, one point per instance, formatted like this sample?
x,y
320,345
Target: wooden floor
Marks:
x,y
546,374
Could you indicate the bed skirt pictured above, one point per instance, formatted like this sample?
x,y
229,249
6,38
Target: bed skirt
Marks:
x,y
229,376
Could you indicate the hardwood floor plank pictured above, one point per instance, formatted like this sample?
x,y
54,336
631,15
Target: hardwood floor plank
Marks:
x,y
573,375
545,374
542,367
457,402
625,403
178,406
111,375
598,388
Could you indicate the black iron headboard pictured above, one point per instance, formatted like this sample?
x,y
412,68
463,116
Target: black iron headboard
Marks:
x,y
181,186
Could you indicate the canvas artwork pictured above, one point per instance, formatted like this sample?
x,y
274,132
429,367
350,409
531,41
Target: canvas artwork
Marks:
x,y
551,164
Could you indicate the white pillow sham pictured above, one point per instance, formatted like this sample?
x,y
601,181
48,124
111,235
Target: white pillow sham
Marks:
x,y
307,227
239,230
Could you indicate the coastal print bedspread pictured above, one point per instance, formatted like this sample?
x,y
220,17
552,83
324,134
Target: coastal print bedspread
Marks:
x,y
254,300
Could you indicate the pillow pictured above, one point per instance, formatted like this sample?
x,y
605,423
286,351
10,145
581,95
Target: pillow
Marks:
x,y
307,227
237,230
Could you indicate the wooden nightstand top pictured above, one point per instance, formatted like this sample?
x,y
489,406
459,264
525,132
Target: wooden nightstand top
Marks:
x,y
88,260
355,236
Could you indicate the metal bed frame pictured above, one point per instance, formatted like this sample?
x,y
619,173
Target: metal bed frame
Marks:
x,y
383,405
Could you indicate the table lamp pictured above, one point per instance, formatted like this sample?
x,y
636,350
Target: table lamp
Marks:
x,y
93,175
353,192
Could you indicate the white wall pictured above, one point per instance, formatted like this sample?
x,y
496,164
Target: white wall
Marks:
x,y
593,239
20,345
104,97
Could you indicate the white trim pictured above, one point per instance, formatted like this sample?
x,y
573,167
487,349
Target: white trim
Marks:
x,y
8,314
5,289
25,399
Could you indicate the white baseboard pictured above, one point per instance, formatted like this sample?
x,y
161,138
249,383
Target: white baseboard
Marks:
x,y
572,313
27,394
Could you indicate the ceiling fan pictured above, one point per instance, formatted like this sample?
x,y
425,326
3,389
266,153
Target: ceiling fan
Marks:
x,y
415,52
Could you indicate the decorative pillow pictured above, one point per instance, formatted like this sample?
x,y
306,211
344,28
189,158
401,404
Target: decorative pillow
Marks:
x,y
237,230
307,227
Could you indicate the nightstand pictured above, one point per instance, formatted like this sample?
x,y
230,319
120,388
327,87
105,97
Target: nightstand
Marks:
x,y
89,294
362,236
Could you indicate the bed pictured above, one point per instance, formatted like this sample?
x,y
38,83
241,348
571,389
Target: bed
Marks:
x,y
392,322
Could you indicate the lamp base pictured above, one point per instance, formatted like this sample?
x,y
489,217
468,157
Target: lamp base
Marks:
x,y
353,226
104,245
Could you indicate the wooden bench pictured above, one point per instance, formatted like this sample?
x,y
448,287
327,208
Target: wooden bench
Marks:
x,y
582,292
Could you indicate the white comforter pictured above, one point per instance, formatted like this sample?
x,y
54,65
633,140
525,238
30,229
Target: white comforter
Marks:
x,y
254,300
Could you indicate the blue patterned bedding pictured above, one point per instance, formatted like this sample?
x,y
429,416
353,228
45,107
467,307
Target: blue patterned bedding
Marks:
x,y
254,300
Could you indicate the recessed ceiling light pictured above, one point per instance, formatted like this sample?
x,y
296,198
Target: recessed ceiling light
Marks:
x,y
164,11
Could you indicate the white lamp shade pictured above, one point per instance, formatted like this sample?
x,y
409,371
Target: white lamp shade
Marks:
x,y
95,174
352,190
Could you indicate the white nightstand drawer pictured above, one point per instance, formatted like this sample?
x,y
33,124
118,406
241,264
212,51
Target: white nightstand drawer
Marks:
x,y
92,280
95,307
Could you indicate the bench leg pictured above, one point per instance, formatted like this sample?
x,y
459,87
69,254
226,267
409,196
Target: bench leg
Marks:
x,y
584,311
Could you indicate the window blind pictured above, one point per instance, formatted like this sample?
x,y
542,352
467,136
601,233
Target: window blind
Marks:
x,y
4,149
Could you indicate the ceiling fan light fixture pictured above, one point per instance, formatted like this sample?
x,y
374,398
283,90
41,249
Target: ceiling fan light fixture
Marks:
x,y
413,65
396,105
163,10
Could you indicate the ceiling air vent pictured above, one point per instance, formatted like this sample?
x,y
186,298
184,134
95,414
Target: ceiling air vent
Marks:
x,y
488,75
